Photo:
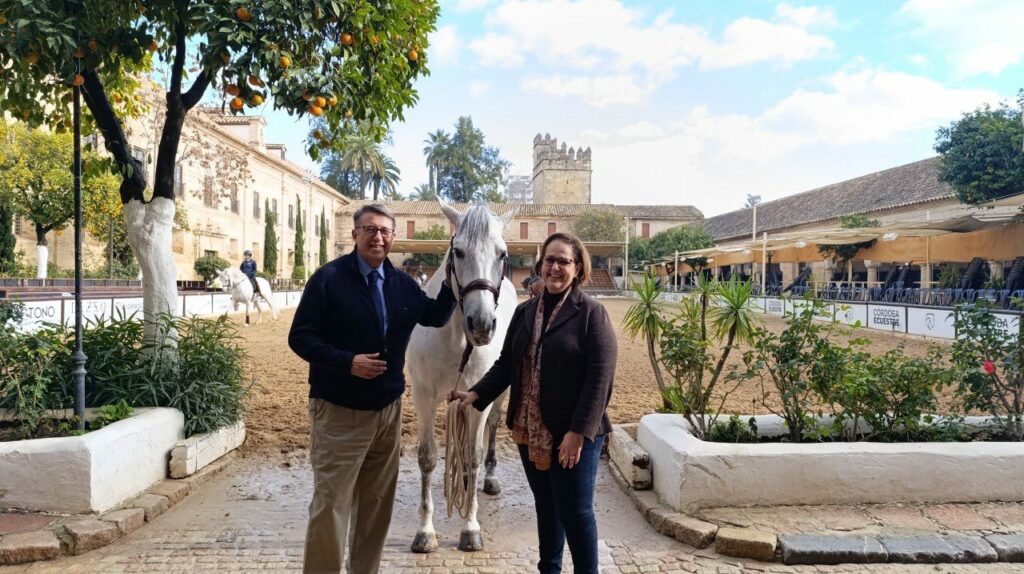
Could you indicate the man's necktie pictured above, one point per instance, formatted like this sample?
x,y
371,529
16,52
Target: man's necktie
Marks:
x,y
378,302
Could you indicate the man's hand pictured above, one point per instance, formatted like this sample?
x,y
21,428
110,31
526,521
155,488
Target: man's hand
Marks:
x,y
368,366
465,398
569,450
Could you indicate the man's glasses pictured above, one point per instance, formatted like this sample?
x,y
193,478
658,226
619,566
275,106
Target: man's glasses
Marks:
x,y
372,230
561,261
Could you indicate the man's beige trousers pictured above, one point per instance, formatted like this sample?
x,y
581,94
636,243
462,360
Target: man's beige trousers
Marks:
x,y
355,457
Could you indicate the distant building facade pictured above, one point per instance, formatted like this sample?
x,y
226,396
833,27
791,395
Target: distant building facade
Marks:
x,y
560,175
519,189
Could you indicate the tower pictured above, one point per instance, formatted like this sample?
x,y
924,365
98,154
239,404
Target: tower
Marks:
x,y
560,175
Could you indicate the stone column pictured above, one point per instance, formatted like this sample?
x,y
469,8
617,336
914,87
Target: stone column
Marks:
x,y
872,272
926,275
995,269
820,271
789,273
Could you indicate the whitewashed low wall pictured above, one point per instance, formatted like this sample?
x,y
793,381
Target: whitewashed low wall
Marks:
x,y
40,312
690,473
93,472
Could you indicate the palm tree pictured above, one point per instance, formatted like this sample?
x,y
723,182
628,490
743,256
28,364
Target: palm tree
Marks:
x,y
422,192
436,152
386,181
647,318
363,156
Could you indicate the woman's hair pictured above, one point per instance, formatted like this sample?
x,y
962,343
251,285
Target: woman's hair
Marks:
x,y
580,254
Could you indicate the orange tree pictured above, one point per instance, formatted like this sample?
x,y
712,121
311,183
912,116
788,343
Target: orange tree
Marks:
x,y
334,59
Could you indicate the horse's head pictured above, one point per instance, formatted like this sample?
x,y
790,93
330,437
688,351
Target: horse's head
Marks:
x,y
225,280
476,264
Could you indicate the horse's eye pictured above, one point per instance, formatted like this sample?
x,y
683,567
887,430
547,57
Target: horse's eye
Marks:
x,y
459,253
504,255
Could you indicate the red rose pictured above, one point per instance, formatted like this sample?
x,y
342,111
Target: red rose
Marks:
x,y
989,367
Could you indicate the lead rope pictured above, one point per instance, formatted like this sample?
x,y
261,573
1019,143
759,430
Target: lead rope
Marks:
x,y
458,451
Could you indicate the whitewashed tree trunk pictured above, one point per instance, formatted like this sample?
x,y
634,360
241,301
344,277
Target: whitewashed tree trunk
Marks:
x,y
149,234
42,256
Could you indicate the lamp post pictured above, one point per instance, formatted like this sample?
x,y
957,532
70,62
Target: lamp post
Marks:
x,y
78,356
625,264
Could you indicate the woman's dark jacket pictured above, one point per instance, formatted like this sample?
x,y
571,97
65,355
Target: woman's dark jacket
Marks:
x,y
576,372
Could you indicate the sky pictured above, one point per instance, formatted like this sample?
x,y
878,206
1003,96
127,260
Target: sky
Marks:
x,y
700,102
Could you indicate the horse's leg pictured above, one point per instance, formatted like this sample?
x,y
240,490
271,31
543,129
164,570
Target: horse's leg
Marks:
x,y
470,539
246,312
259,311
491,485
425,402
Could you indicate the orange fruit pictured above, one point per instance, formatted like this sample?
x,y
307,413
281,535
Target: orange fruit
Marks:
x,y
315,110
347,39
237,103
374,39
255,80
284,61
317,134
348,113
307,96
332,101
93,45
32,57
3,19
78,80
413,55
225,57
153,46
78,53
232,90
256,99
243,14
117,98
320,101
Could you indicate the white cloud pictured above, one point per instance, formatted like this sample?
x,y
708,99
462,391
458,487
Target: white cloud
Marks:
x,y
445,44
477,88
980,37
598,91
565,42
641,130
918,59
592,135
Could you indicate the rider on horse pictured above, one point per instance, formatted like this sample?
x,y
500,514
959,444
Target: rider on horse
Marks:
x,y
249,268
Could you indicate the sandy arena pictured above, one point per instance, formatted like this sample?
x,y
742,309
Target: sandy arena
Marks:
x,y
277,420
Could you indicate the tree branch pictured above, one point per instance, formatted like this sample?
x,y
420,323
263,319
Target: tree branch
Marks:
x,y
114,139
178,66
195,93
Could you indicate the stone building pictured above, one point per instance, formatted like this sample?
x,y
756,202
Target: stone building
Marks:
x,y
560,175
225,176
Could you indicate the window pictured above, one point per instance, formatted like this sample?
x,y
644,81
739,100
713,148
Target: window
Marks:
x,y
645,230
410,229
234,201
256,204
273,205
234,248
552,227
524,230
291,217
209,253
179,186
19,224
208,191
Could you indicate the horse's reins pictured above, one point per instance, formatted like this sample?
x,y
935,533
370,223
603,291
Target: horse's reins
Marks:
x,y
458,489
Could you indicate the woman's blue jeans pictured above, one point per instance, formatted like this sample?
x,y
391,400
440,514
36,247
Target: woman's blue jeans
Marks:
x,y
564,500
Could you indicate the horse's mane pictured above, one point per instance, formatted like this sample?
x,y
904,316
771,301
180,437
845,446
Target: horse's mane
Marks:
x,y
475,224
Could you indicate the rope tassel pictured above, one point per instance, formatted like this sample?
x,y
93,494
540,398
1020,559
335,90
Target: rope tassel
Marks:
x,y
459,486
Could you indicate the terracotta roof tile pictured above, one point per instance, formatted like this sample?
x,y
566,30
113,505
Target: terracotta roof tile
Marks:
x,y
895,187
682,212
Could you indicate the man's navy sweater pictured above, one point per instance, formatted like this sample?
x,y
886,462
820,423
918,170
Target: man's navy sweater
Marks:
x,y
336,320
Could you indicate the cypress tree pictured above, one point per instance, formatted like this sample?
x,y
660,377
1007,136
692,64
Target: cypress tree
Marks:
x,y
270,243
7,239
323,238
299,264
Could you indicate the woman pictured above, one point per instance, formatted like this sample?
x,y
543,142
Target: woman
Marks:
x,y
559,359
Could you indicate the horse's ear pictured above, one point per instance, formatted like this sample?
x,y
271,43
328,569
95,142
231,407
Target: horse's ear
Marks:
x,y
450,212
508,216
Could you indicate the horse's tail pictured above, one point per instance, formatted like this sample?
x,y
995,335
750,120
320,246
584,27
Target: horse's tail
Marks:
x,y
270,301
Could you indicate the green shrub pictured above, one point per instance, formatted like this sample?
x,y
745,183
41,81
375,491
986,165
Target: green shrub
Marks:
x,y
989,365
734,430
28,384
209,266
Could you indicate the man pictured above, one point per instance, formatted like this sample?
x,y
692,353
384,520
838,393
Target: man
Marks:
x,y
353,325
249,268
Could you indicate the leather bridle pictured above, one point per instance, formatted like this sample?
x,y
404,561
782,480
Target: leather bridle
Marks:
x,y
462,291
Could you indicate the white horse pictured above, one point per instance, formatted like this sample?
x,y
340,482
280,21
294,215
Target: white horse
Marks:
x,y
487,301
237,283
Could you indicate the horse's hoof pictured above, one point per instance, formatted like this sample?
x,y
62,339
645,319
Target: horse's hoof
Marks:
x,y
471,541
491,486
424,543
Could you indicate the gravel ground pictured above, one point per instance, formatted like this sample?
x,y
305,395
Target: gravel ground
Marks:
x,y
277,420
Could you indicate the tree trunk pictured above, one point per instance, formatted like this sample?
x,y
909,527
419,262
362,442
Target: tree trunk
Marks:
x,y
652,355
42,253
363,180
149,233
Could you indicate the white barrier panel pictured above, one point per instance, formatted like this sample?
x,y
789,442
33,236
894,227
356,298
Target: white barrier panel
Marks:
x,y
280,299
930,322
127,307
35,314
198,305
775,307
222,304
293,298
852,313
1009,322
93,310
887,318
